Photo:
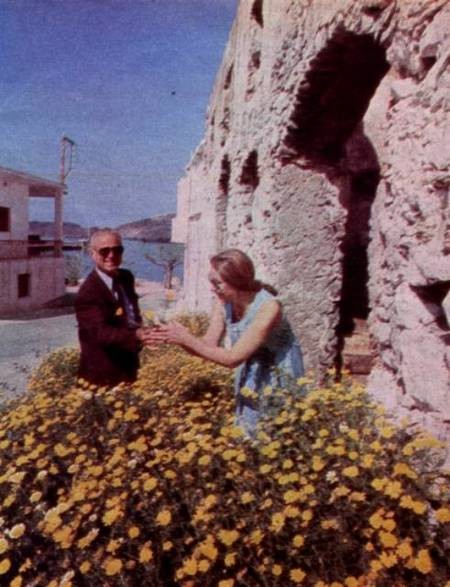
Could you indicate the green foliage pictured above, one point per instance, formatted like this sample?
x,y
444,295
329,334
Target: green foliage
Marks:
x,y
57,372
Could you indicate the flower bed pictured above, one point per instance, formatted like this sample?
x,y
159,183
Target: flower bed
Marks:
x,y
153,485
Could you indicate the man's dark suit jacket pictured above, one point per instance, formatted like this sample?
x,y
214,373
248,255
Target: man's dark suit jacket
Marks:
x,y
109,347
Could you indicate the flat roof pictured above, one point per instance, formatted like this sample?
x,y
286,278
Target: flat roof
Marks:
x,y
39,186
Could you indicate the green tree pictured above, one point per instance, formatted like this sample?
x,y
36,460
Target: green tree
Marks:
x,y
168,256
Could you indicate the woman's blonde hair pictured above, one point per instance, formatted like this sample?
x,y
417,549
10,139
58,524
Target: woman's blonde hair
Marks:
x,y
237,269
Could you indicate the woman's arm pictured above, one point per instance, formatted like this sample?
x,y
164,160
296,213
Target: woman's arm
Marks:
x,y
216,326
266,318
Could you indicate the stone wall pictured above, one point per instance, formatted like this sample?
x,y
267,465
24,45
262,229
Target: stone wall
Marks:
x,y
326,157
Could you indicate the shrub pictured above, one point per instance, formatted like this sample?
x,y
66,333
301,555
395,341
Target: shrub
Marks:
x,y
152,484
57,372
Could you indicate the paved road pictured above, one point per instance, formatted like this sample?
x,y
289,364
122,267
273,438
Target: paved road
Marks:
x,y
25,342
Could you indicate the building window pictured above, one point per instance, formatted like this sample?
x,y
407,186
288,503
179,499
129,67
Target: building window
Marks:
x,y
23,285
4,219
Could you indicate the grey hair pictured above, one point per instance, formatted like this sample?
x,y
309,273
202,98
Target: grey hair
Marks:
x,y
102,232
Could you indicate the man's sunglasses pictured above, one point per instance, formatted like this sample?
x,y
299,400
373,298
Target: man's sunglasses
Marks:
x,y
105,251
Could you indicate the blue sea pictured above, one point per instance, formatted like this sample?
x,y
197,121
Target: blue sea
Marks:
x,y
133,259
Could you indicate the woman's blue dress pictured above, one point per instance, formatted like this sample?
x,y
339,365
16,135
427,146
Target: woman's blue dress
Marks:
x,y
277,363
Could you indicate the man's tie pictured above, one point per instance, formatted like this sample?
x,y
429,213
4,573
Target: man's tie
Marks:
x,y
118,291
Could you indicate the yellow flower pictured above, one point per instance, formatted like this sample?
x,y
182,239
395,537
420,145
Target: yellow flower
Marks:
x,y
203,565
379,484
228,537
145,554
17,531
387,432
167,545
208,549
264,469
5,565
404,549
389,524
249,393
351,582
149,315
367,461
393,489
317,463
291,496
277,570
352,471
112,566
4,545
16,582
88,538
164,518
376,521
230,559
291,511
443,515
85,567
256,536
35,496
112,515
298,541
307,515
419,507
17,477
329,524
277,521
297,575
190,567
247,497
150,484
388,560
404,469
61,450
133,532
423,562
226,583
388,539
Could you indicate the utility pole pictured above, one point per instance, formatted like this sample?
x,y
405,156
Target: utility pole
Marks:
x,y
67,147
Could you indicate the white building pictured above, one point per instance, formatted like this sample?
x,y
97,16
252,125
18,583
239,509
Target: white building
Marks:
x,y
31,270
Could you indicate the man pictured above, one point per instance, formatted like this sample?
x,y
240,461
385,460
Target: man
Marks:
x,y
109,321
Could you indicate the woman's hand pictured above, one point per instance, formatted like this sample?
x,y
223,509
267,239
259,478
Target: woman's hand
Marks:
x,y
175,333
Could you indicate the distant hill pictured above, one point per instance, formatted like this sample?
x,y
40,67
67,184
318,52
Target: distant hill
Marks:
x,y
156,229
47,230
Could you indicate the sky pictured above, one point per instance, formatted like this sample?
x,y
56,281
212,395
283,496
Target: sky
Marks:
x,y
128,81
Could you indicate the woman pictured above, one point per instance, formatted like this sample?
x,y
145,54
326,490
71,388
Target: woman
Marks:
x,y
263,349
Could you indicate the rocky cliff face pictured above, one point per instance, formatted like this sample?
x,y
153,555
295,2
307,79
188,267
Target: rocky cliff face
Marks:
x,y
327,158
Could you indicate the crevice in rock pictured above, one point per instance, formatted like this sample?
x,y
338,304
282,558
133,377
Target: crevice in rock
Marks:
x,y
353,342
257,12
249,175
228,78
225,173
255,60
333,97
222,202
432,296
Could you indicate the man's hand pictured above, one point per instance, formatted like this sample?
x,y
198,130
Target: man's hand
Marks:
x,y
150,336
